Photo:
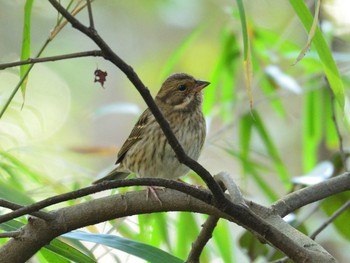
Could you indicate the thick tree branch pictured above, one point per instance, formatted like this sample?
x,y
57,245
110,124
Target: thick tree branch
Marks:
x,y
37,233
185,188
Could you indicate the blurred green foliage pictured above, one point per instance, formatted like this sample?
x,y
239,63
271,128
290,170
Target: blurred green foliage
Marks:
x,y
59,142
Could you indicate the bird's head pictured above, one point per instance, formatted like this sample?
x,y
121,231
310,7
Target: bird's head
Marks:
x,y
181,92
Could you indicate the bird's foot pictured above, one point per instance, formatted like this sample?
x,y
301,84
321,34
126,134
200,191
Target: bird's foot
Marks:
x,y
152,190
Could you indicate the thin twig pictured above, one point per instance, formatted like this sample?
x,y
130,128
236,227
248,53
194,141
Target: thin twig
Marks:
x,y
187,189
336,125
202,239
13,206
92,53
91,17
330,220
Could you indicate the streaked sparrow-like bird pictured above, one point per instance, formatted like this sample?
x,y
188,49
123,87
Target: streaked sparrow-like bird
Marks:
x,y
146,152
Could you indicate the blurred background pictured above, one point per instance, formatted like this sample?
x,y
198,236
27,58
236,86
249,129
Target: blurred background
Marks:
x,y
68,130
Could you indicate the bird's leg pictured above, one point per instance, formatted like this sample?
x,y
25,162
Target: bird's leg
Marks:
x,y
152,189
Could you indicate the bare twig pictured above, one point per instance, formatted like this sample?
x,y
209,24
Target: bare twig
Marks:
x,y
330,220
93,53
91,17
13,206
202,239
336,125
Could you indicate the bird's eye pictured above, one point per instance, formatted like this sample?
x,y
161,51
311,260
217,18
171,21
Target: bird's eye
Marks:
x,y
182,87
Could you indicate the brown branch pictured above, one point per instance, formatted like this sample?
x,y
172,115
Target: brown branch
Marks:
x,y
311,194
185,188
93,53
202,239
37,233
330,220
13,206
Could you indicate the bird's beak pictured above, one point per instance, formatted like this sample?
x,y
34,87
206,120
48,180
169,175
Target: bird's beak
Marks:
x,y
201,84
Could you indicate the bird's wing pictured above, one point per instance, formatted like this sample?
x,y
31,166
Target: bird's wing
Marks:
x,y
135,135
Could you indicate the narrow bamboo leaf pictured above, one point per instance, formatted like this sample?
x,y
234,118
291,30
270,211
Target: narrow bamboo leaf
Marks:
x,y
21,166
138,249
248,165
331,136
341,223
225,66
247,61
160,233
312,129
187,230
323,51
268,88
66,251
272,150
224,241
25,53
251,167
311,33
8,192
245,134
47,256
252,246
180,50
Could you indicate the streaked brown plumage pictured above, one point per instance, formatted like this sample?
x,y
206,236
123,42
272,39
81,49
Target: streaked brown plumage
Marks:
x,y
146,152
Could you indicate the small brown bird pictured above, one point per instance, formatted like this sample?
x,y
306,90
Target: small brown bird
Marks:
x,y
146,152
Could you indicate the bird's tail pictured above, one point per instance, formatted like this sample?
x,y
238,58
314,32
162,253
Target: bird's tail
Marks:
x,y
115,174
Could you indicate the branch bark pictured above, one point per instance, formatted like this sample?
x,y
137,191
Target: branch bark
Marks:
x,y
37,233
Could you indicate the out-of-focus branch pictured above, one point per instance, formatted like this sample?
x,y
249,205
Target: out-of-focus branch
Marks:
x,y
311,194
202,239
93,53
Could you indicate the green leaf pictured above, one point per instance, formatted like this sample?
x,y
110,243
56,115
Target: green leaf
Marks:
x,y
12,194
187,231
25,53
312,128
180,50
224,241
66,251
138,249
252,246
322,49
272,150
160,233
331,205
247,61
225,67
